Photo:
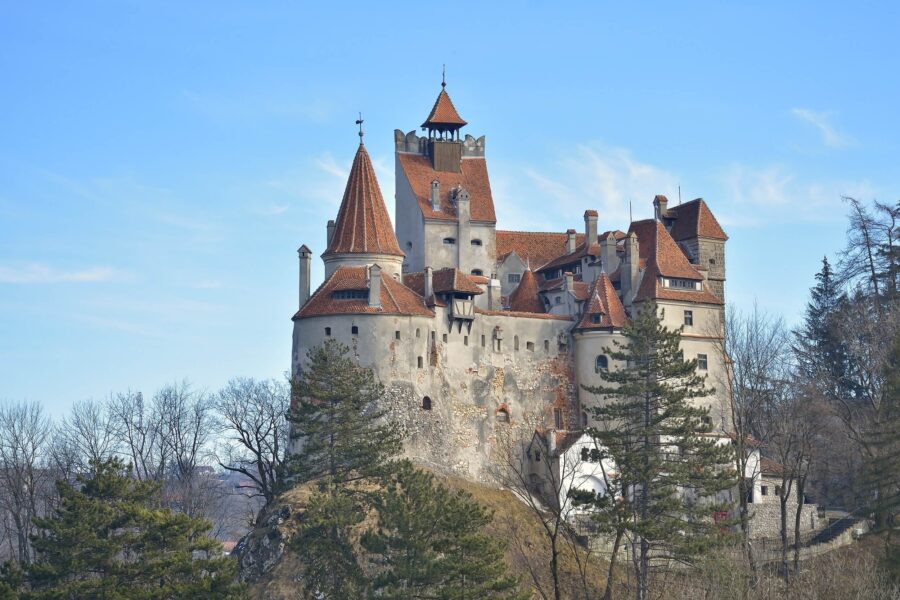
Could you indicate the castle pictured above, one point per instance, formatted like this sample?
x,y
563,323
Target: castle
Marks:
x,y
472,328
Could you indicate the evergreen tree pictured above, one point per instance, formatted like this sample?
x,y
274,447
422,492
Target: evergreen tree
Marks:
x,y
10,581
107,540
882,464
343,441
669,471
430,543
820,352
340,429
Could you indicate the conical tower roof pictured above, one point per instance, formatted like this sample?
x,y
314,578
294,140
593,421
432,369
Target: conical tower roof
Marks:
x,y
363,225
603,308
526,298
443,115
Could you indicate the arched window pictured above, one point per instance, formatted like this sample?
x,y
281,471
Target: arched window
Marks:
x,y
602,363
426,403
502,414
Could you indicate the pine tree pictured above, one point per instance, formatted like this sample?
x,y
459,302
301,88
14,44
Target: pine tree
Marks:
x,y
107,540
340,430
344,441
882,465
821,354
429,543
669,471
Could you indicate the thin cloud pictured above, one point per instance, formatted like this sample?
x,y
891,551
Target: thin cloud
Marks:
x,y
831,137
36,273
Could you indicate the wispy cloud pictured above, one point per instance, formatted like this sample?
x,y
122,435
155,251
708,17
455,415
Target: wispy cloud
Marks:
x,y
591,176
37,273
254,106
821,120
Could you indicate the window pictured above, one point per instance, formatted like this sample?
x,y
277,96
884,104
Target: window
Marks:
x,y
529,346
557,300
483,341
546,345
409,245
397,335
328,331
476,242
585,454
687,284
419,362
432,337
537,456
764,490
350,295
601,364
702,363
516,343
712,261
449,241
688,318
444,338
617,285
477,272
584,420
557,418
502,415
595,319
778,490
418,333
426,403
514,278
465,340
354,330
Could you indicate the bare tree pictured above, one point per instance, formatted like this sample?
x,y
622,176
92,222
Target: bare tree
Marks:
x,y
754,347
88,434
253,414
139,427
24,433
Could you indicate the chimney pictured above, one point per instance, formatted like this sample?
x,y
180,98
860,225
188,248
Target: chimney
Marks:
x,y
330,227
436,195
305,261
590,227
570,281
632,266
570,241
375,286
608,258
494,294
429,286
660,207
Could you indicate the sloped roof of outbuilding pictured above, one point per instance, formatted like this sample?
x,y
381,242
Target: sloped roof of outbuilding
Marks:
x,y
526,296
396,298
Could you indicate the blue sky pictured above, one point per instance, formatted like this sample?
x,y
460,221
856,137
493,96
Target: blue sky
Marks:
x,y
160,162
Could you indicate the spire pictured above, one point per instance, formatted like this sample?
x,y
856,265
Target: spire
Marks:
x,y
443,116
603,309
359,122
363,225
526,298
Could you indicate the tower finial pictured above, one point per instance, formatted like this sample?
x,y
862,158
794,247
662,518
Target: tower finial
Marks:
x,y
359,122
443,76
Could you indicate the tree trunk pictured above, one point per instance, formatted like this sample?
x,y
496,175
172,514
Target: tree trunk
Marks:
x,y
801,485
554,567
608,592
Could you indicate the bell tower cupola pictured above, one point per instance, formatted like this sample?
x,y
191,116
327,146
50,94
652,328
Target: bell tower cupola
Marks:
x,y
443,125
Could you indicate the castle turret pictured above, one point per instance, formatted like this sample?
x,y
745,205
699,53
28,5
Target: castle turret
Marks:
x,y
362,233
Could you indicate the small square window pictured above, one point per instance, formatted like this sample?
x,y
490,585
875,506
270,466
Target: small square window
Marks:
x,y
354,330
557,300
688,318
702,363
557,418
444,337
514,278
465,340
419,362
595,319
537,456
397,335
764,490
546,345
529,346
328,331
483,341
418,333
585,454
778,490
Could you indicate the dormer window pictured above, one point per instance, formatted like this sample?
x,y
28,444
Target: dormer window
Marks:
x,y
595,319
450,241
350,295
686,284
476,242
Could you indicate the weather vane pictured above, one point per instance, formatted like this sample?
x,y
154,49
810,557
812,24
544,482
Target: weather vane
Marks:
x,y
359,122
443,76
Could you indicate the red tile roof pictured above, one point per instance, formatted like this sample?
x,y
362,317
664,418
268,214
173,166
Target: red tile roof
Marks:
x,y
396,298
515,313
526,296
443,112
453,280
580,252
534,247
770,467
665,259
694,219
473,176
603,302
363,225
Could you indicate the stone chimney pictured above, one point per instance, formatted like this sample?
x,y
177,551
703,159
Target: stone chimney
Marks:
x,y
570,241
436,195
631,268
464,227
494,294
331,226
375,286
660,207
608,257
429,286
570,280
590,227
305,261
